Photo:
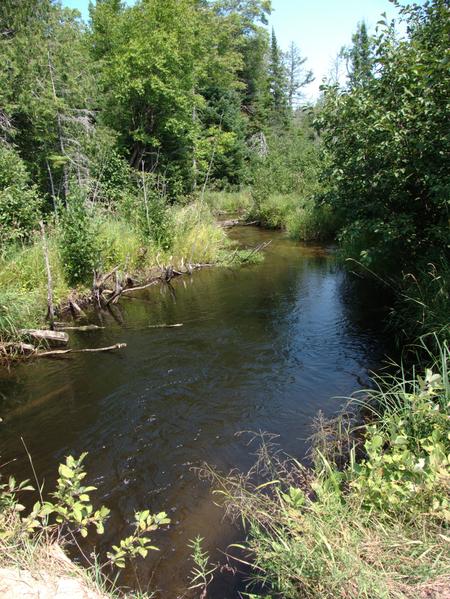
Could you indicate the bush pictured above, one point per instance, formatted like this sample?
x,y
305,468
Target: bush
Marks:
x,y
312,222
78,240
19,203
147,209
113,178
406,471
386,142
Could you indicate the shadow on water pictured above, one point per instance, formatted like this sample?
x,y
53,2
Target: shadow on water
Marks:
x,y
261,348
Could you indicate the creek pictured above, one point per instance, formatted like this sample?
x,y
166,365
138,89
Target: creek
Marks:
x,y
262,348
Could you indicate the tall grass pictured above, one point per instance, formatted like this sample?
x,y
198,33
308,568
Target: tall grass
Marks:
x,y
195,238
228,202
304,220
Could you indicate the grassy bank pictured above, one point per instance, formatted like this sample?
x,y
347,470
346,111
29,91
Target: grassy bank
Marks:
x,y
302,219
192,237
370,518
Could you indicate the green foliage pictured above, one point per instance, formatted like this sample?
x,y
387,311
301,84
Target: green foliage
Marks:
x,y
228,202
386,142
78,241
138,543
113,179
19,202
377,527
360,56
423,304
407,468
311,221
203,571
291,165
71,508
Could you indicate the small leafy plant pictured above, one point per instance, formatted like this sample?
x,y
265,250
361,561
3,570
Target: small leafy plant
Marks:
x,y
138,543
203,571
70,511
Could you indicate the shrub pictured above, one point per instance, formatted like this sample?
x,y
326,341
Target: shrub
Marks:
x,y
147,209
78,240
19,202
312,222
386,144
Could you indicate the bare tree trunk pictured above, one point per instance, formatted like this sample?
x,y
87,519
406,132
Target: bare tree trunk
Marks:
x,y
194,158
65,182
52,186
144,187
50,308
211,162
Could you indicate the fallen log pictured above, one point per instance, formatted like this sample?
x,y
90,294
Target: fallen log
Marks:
x,y
227,224
63,352
51,337
77,312
16,347
140,287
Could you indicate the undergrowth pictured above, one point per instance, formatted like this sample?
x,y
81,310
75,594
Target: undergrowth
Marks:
x,y
195,239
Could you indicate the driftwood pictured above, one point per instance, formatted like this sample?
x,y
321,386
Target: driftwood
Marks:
x,y
259,248
63,352
51,337
77,312
16,347
103,297
140,287
88,327
165,326
227,224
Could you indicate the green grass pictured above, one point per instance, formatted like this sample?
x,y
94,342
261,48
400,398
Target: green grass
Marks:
x,y
303,220
229,202
195,238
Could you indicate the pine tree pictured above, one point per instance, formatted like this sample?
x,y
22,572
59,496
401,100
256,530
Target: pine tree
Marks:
x,y
278,82
298,77
360,56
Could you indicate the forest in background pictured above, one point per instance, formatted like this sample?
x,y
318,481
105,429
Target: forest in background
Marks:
x,y
112,133
120,140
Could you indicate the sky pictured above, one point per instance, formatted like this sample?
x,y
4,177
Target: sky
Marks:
x,y
319,27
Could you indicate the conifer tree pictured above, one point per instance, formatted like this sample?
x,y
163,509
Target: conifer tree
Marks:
x,y
278,82
298,77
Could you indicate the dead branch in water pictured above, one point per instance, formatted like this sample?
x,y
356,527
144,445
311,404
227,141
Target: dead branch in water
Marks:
x,y
16,347
88,327
165,326
62,352
259,248
50,337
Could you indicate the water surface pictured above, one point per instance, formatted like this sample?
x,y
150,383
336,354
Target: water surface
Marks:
x,y
263,347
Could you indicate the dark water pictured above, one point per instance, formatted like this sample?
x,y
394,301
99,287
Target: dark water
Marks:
x,y
261,348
